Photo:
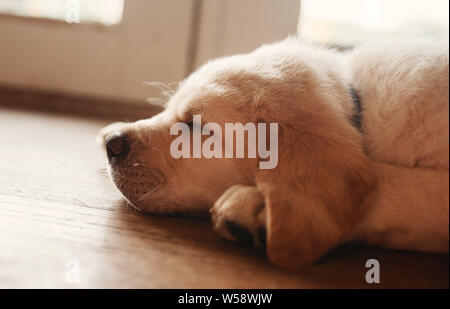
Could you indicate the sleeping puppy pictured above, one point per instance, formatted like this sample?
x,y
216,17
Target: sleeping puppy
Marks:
x,y
362,150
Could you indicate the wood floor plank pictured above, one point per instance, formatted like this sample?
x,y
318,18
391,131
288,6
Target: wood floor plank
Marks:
x,y
57,207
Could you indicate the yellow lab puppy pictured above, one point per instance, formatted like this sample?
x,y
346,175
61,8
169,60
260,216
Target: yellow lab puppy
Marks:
x,y
362,149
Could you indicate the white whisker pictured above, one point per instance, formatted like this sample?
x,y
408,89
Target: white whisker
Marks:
x,y
166,92
157,101
161,86
146,195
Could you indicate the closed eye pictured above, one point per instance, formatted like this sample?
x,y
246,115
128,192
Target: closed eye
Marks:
x,y
190,123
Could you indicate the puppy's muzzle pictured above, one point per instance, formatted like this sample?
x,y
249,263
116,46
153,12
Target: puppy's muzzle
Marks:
x,y
117,147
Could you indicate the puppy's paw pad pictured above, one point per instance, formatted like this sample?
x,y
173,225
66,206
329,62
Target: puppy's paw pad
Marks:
x,y
239,232
239,215
262,234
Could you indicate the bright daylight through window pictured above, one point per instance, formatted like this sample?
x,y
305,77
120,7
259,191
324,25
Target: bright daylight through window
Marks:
x,y
351,22
108,12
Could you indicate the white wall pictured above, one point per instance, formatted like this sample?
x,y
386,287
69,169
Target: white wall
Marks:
x,y
149,44
237,26
152,43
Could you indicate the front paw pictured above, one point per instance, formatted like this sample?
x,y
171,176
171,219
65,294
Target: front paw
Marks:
x,y
240,215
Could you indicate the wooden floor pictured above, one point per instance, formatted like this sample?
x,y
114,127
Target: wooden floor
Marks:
x,y
59,213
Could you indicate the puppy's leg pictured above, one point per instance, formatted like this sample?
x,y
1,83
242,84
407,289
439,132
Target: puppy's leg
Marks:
x,y
410,210
240,215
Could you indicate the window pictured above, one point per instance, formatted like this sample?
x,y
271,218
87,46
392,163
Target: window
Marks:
x,y
108,12
350,22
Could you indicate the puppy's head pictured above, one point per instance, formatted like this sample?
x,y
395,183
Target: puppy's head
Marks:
x,y
314,195
139,157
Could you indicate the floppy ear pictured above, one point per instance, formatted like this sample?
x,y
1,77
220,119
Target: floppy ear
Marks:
x,y
318,192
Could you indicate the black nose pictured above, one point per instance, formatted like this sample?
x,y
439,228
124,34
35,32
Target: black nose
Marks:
x,y
117,146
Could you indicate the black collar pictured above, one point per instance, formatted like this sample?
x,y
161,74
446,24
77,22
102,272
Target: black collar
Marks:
x,y
356,118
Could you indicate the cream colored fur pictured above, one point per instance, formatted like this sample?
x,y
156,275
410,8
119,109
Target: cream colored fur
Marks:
x,y
387,186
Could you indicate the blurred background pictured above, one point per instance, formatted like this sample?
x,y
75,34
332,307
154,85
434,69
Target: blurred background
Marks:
x,y
97,55
108,49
